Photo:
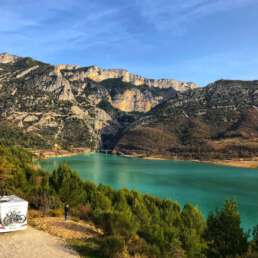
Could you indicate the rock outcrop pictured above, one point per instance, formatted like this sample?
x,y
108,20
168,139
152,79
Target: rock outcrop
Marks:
x,y
6,58
98,74
135,100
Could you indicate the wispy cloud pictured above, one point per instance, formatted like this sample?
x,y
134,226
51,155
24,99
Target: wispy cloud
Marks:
x,y
215,66
162,38
169,15
56,25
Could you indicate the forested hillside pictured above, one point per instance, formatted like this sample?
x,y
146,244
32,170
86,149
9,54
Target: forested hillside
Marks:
x,y
133,223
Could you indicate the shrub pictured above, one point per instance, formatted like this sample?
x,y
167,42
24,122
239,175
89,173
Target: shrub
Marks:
x,y
112,247
56,213
85,211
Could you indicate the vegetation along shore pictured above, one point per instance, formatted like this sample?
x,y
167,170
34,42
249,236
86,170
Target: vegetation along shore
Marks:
x,y
133,224
48,153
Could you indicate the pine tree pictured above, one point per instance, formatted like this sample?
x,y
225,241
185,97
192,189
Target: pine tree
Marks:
x,y
224,234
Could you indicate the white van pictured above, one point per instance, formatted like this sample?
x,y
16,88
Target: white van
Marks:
x,y
13,213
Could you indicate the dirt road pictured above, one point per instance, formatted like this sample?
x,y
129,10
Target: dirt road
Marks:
x,y
33,243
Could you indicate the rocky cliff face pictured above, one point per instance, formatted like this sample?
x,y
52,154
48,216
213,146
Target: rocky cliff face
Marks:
x,y
66,105
97,74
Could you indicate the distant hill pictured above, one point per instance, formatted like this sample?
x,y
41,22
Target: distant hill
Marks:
x,y
218,121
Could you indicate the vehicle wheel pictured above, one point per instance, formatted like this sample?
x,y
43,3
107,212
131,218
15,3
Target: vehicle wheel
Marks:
x,y
7,221
21,219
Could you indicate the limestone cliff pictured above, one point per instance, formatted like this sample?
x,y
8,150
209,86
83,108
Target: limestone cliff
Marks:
x,y
134,100
98,74
63,105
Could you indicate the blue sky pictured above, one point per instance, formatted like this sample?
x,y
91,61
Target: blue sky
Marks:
x,y
191,40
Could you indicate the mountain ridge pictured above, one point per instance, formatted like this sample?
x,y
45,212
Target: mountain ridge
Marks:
x,y
217,121
68,106
99,74
49,102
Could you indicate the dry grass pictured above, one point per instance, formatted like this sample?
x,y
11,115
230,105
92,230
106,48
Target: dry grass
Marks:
x,y
238,163
68,230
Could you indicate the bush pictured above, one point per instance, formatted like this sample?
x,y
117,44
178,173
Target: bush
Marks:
x,y
56,213
112,247
85,211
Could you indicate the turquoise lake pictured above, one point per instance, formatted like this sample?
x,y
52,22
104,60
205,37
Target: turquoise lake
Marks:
x,y
206,186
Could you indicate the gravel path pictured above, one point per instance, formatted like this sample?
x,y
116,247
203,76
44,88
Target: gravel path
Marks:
x,y
33,243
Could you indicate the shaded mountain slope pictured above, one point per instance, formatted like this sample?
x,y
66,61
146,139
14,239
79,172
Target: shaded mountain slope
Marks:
x,y
218,121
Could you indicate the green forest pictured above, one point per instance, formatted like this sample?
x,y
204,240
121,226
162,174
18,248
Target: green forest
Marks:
x,y
134,224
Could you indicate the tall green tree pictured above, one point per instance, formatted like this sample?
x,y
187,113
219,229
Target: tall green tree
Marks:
x,y
224,234
68,185
193,227
255,239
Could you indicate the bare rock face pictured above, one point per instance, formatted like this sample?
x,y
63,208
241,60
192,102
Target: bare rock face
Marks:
x,y
60,67
23,73
98,74
135,100
65,93
6,58
124,91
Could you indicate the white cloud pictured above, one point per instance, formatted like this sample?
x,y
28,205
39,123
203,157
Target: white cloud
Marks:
x,y
165,14
51,26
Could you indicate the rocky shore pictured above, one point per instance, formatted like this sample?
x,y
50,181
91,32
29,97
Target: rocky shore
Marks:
x,y
45,154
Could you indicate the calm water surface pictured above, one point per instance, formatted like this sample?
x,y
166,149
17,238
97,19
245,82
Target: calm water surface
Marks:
x,y
206,186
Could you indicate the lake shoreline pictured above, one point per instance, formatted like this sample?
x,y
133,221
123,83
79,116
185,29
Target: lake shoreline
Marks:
x,y
239,163
45,154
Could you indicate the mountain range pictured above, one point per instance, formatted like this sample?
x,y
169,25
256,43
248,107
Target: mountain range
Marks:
x,y
68,106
